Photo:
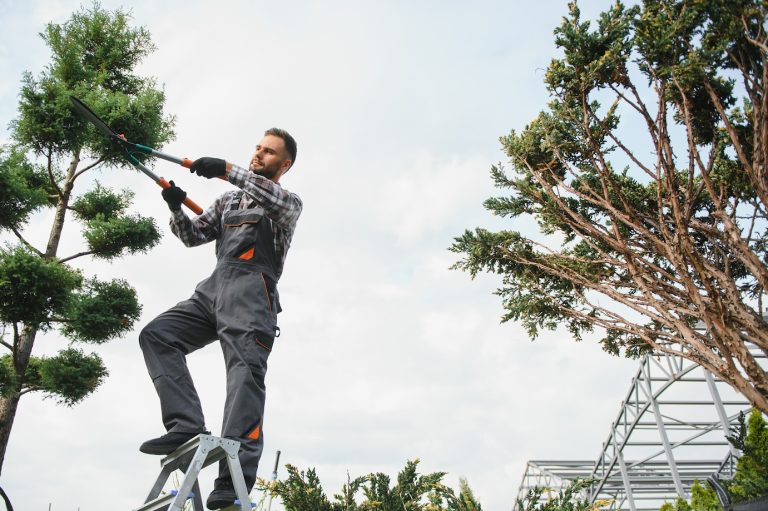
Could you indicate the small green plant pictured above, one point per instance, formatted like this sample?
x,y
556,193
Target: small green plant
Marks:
x,y
751,478
703,498
567,499
302,491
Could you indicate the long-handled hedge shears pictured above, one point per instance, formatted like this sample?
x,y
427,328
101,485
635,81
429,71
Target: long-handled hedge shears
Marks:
x,y
100,125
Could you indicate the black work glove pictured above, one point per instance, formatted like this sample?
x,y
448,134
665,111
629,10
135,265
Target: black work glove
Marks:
x,y
174,196
209,167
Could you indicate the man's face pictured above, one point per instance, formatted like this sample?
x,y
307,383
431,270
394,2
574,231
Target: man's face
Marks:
x,y
270,159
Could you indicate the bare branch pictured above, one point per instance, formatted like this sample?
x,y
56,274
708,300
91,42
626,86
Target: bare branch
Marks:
x,y
89,167
27,390
74,256
25,242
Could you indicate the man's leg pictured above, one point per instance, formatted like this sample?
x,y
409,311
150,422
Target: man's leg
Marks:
x,y
165,342
246,362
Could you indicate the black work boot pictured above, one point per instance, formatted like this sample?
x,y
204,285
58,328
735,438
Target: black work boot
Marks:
x,y
223,495
169,442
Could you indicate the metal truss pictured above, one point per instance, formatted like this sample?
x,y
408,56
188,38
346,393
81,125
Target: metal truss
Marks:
x,y
670,431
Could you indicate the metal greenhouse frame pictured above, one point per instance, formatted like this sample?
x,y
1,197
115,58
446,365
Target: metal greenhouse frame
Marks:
x,y
670,431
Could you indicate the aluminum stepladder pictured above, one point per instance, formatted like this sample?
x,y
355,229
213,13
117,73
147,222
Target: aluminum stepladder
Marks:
x,y
191,458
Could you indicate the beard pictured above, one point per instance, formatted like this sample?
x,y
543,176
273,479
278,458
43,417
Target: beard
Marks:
x,y
267,171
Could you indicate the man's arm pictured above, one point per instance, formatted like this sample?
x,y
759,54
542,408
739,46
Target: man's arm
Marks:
x,y
280,205
200,230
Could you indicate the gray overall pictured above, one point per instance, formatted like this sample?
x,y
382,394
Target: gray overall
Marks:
x,y
237,305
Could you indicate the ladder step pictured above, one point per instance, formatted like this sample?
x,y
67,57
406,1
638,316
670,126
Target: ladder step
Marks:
x,y
198,453
162,502
159,504
216,451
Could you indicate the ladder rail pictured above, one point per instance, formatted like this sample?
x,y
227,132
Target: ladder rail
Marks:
x,y
190,458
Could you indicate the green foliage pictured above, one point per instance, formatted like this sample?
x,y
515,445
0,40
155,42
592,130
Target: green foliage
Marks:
x,y
751,478
642,174
466,500
109,238
46,123
703,498
300,491
33,289
71,375
94,54
409,493
24,188
67,377
100,48
679,505
412,492
134,116
567,499
101,311
101,202
108,231
37,290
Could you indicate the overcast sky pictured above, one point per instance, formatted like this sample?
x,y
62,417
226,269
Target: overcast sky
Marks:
x,y
386,354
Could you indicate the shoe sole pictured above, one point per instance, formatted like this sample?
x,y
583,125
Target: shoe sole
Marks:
x,y
221,502
159,452
167,449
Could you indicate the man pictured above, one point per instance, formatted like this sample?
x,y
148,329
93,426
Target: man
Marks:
x,y
237,304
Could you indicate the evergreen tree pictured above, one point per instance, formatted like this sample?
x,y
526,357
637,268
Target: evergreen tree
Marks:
x,y
648,177
93,56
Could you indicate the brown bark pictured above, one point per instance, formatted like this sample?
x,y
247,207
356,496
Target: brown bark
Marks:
x,y
9,404
698,286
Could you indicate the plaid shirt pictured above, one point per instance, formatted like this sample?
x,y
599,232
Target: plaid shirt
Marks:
x,y
280,206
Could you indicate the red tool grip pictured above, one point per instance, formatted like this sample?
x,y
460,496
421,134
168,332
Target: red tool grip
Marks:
x,y
192,205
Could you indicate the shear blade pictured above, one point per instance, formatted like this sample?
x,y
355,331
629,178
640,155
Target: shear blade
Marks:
x,y
100,125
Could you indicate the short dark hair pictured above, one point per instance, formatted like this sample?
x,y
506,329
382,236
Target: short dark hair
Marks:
x,y
290,143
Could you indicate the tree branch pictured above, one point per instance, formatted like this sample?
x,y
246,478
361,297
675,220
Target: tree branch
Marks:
x,y
74,256
27,390
89,167
51,178
25,242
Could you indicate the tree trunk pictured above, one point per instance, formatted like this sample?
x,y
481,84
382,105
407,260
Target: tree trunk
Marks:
x,y
61,209
22,347
9,404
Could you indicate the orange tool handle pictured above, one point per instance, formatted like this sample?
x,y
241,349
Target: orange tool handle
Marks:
x,y
192,205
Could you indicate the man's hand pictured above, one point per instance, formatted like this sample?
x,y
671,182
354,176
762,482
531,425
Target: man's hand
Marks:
x,y
174,196
209,167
